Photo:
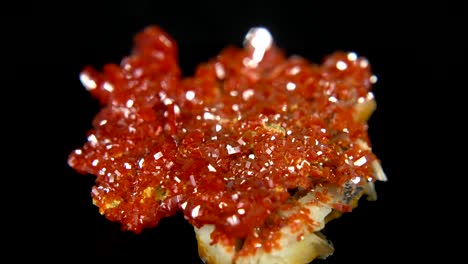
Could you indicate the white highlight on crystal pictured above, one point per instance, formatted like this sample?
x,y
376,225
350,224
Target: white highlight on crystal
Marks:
x,y
192,180
356,180
211,168
92,140
108,87
341,65
352,56
233,220
261,40
364,63
290,86
190,95
359,162
232,150
208,116
219,70
168,101
247,94
195,211
158,155
87,82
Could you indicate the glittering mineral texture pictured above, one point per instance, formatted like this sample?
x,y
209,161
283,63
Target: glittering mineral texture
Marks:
x,y
231,145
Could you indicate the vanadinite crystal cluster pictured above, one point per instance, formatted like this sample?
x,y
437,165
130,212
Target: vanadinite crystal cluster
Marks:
x,y
229,146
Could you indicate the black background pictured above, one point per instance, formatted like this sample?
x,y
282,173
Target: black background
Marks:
x,y
67,37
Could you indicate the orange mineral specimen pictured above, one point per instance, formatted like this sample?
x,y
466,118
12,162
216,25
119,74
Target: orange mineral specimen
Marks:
x,y
229,146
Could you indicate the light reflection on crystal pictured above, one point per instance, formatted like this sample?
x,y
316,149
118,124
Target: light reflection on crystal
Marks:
x,y
129,103
108,87
247,94
270,183
95,191
356,180
169,165
232,150
361,161
341,65
195,211
211,168
167,101
261,40
158,155
352,56
219,70
165,40
290,86
208,116
87,82
138,72
190,95
301,164
364,63
92,140
233,220
176,110
294,70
